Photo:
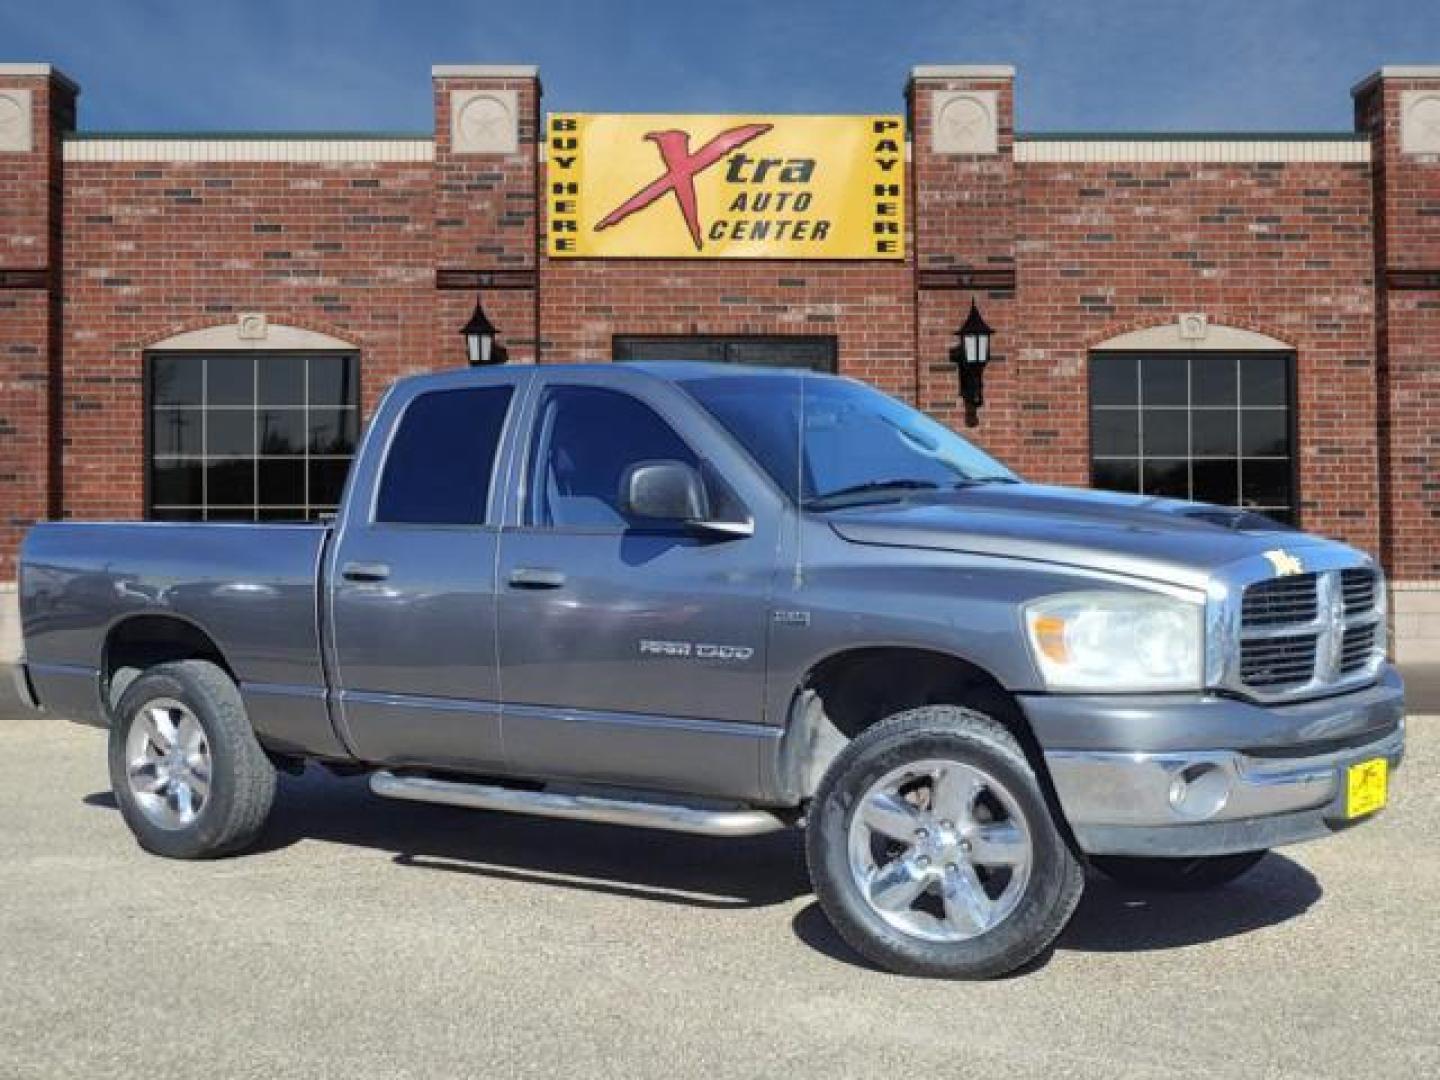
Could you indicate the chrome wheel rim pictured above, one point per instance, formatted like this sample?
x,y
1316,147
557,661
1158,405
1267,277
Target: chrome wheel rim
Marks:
x,y
940,850
167,763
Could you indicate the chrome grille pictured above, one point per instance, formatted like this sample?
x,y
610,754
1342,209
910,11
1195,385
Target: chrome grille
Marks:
x,y
1358,585
1278,661
1279,602
1309,633
1359,644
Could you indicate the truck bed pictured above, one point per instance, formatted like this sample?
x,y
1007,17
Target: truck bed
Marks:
x,y
254,588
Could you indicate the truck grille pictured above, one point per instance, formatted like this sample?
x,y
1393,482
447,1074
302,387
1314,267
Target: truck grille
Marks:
x,y
1359,588
1310,632
1280,602
1279,661
1359,644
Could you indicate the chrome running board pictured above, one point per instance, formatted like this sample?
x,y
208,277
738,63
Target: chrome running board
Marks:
x,y
611,811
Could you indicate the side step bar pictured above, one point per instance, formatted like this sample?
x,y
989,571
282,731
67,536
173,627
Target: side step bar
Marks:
x,y
612,811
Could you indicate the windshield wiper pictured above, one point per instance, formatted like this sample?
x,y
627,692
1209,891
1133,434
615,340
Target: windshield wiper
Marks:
x,y
860,493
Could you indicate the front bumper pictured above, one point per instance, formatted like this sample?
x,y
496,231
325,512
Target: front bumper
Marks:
x,y
1202,775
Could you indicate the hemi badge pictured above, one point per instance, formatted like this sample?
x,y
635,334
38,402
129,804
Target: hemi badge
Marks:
x,y
793,618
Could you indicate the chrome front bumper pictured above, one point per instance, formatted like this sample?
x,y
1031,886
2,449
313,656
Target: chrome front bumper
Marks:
x,y
1195,803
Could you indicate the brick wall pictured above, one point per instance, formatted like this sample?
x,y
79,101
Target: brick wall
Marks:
x,y
1407,255
1283,249
30,259
1061,256
1101,248
158,248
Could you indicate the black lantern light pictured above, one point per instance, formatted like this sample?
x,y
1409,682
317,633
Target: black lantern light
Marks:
x,y
481,347
970,356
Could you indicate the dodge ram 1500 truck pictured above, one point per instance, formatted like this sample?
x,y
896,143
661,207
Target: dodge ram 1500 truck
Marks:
x,y
729,600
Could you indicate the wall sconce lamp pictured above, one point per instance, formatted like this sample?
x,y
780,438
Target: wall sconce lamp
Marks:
x,y
970,355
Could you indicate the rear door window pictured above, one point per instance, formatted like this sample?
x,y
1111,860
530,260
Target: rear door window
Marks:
x,y
442,458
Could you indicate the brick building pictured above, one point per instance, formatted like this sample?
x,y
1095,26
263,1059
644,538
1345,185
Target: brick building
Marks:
x,y
195,325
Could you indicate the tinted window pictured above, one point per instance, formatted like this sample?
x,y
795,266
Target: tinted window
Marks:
x,y
250,437
585,440
1212,427
440,461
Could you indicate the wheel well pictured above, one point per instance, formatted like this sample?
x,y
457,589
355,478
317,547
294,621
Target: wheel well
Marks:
x,y
143,641
862,686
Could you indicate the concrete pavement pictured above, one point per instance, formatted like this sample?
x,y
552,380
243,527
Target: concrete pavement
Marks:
x,y
397,940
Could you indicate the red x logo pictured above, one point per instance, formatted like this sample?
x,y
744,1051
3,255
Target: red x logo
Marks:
x,y
681,168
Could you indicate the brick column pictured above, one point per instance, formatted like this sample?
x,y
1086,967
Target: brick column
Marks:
x,y
37,105
1400,108
963,206
486,206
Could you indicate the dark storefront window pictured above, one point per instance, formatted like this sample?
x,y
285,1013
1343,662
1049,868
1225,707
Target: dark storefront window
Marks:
x,y
249,437
1213,427
814,352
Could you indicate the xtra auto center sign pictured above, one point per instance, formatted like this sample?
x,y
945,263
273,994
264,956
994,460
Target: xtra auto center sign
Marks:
x,y
732,187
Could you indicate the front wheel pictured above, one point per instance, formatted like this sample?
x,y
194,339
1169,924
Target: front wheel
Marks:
x,y
1176,875
932,850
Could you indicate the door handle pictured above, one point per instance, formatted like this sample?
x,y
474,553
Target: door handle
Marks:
x,y
365,571
536,577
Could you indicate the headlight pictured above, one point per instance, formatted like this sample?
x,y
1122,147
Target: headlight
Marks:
x,y
1114,641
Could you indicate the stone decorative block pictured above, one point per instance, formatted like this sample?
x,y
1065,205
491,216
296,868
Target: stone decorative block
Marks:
x,y
16,129
252,326
484,122
1194,326
1420,122
965,122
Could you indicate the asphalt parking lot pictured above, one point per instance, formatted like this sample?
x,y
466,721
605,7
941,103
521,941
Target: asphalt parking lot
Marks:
x,y
399,940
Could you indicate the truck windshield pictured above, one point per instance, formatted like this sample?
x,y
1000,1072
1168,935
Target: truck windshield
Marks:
x,y
833,442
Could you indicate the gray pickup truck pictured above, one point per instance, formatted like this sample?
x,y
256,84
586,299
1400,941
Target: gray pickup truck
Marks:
x,y
731,600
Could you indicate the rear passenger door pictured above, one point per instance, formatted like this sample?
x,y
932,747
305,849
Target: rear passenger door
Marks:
x,y
412,579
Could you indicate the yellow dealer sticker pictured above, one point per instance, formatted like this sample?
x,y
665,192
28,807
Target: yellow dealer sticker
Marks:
x,y
1365,787
726,187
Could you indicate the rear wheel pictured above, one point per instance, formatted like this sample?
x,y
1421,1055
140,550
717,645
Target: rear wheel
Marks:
x,y
189,776
1176,875
933,852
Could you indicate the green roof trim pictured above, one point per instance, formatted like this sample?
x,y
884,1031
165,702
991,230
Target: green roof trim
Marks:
x,y
1191,136
250,136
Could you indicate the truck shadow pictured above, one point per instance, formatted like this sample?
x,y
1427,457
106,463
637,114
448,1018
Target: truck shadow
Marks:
x,y
1117,918
661,867
670,868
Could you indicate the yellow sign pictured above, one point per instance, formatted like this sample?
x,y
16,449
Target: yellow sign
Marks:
x,y
1365,787
728,187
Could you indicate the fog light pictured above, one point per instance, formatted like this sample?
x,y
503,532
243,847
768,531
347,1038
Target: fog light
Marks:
x,y
1199,791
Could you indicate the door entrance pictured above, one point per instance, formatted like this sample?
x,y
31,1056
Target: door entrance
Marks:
x,y
816,352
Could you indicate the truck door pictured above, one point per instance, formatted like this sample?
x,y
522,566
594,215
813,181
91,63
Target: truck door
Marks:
x,y
412,579
629,654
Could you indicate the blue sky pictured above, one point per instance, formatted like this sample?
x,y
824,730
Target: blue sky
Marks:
x,y
364,64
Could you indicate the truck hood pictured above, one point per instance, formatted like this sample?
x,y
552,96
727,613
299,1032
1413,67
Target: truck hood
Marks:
x,y
1167,540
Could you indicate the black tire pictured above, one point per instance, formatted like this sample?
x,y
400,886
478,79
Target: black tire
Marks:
x,y
1176,875
1048,898
242,779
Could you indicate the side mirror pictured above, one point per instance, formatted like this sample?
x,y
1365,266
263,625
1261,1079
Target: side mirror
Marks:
x,y
665,491
671,491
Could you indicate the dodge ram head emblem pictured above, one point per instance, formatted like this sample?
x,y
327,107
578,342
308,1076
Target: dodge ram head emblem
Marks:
x,y
1284,563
